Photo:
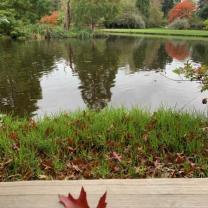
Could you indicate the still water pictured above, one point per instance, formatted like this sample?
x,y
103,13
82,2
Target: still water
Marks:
x,y
44,77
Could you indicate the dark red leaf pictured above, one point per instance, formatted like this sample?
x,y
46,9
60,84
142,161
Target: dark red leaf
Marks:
x,y
102,203
81,202
70,202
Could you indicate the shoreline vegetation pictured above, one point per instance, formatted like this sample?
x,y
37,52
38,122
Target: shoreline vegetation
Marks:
x,y
112,143
58,19
59,33
47,32
158,31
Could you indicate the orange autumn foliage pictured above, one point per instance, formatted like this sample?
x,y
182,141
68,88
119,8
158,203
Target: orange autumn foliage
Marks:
x,y
51,19
184,9
177,51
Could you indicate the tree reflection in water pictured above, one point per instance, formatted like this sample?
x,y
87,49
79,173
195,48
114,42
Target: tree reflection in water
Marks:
x,y
178,50
96,64
21,67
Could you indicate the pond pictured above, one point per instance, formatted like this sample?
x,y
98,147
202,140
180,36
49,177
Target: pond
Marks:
x,y
47,77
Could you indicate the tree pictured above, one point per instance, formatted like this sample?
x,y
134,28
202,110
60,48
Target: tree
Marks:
x,y
67,14
202,3
156,15
91,12
143,6
167,6
27,10
184,9
128,17
203,12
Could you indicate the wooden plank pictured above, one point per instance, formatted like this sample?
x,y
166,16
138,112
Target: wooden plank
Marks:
x,y
111,189
122,201
151,181
149,193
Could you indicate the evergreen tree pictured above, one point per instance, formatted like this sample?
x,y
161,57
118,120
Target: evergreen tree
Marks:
x,y
202,3
167,6
143,6
203,9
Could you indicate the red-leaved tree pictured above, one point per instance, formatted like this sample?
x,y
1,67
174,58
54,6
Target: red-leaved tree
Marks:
x,y
51,19
184,9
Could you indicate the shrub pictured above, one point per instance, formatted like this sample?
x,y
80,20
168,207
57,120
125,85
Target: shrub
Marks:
x,y
184,9
196,23
10,27
206,24
7,22
128,17
203,13
51,19
126,21
179,24
5,25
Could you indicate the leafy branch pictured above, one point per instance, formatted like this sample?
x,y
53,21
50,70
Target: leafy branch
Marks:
x,y
199,73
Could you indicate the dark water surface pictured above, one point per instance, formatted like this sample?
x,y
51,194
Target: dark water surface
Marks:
x,y
42,77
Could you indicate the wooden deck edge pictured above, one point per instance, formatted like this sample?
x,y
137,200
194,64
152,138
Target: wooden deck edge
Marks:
x,y
140,193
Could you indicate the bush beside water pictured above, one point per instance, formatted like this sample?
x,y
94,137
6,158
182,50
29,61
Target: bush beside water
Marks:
x,y
179,24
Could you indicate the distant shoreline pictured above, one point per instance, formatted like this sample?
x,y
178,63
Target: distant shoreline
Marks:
x,y
161,32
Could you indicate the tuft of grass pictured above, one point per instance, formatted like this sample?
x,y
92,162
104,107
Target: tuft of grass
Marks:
x,y
113,143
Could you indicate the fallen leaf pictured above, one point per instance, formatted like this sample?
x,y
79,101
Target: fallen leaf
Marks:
x,y
14,136
116,156
81,202
47,164
180,158
102,203
145,137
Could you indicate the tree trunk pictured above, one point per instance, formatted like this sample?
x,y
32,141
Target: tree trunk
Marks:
x,y
92,25
67,16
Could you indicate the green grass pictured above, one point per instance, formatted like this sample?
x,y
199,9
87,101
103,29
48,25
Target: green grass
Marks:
x,y
169,32
113,143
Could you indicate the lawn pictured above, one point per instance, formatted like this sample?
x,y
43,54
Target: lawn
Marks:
x,y
170,32
113,143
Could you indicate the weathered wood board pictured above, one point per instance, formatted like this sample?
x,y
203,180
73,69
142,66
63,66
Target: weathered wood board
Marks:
x,y
148,193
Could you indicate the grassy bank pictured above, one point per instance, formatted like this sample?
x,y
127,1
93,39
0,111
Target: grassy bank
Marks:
x,y
42,32
107,144
166,32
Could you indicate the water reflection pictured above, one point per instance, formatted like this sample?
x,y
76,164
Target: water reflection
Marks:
x,y
26,70
96,65
178,50
21,67
150,55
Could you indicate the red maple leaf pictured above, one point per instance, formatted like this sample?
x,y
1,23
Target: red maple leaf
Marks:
x,y
81,202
